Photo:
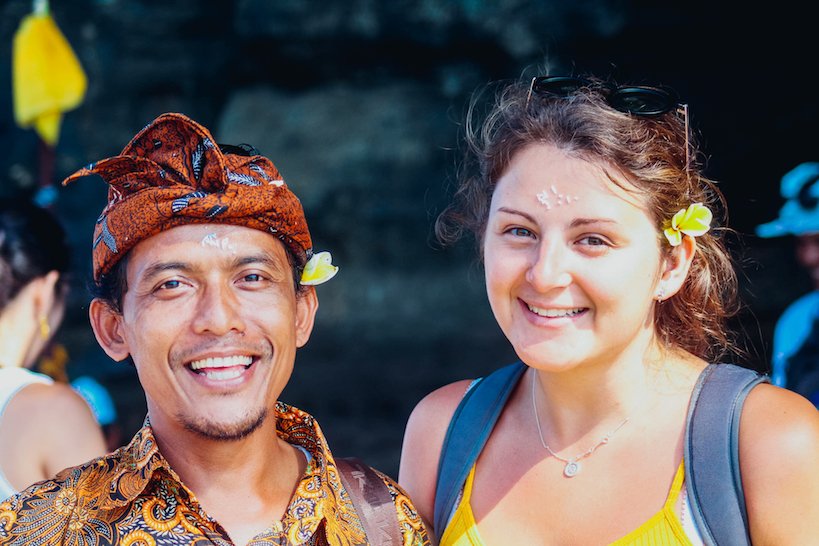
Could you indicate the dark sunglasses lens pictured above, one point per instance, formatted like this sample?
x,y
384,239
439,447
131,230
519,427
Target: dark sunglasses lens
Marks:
x,y
643,101
561,86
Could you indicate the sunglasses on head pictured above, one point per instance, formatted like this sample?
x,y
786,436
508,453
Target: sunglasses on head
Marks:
x,y
641,100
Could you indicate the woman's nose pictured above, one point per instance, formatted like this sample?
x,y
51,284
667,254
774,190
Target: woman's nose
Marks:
x,y
549,269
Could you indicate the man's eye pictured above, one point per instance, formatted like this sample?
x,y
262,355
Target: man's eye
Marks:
x,y
253,277
169,285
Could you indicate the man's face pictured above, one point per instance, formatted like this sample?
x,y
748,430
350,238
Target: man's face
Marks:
x,y
212,321
807,253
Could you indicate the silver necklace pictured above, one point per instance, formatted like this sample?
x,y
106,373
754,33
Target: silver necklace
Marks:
x,y
571,466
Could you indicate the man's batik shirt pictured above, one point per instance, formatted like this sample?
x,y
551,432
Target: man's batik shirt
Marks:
x,y
133,497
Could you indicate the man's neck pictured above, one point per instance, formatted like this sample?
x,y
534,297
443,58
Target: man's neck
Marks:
x,y
244,484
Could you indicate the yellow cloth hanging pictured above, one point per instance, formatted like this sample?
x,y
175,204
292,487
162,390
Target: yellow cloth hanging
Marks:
x,y
47,77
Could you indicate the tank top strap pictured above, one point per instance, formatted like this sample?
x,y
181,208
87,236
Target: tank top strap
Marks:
x,y
462,529
676,488
470,479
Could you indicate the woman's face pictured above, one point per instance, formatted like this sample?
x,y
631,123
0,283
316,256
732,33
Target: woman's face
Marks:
x,y
572,261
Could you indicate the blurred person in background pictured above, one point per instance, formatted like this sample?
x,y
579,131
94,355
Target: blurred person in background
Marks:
x,y
795,362
101,403
45,426
53,362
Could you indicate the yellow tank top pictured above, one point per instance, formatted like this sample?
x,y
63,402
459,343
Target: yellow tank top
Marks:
x,y
662,529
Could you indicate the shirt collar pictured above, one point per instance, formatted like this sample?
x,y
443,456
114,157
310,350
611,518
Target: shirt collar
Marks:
x,y
317,497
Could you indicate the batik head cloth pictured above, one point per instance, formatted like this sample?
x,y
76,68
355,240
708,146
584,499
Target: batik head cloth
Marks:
x,y
172,174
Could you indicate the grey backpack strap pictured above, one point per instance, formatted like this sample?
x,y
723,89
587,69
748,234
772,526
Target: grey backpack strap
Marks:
x,y
468,431
711,453
372,501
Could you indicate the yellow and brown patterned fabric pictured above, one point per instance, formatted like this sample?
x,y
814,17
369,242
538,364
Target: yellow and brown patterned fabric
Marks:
x,y
132,497
173,173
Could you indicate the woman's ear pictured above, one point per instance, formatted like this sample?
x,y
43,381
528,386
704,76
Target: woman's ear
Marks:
x,y
108,329
676,265
45,294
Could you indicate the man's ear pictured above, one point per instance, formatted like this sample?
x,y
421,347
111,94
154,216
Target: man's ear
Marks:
x,y
306,308
676,266
108,329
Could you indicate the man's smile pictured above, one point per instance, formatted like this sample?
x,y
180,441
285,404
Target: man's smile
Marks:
x,y
221,368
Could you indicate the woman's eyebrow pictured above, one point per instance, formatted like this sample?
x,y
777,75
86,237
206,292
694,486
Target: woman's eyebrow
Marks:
x,y
527,216
577,222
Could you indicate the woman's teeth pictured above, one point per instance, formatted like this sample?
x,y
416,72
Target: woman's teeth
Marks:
x,y
555,313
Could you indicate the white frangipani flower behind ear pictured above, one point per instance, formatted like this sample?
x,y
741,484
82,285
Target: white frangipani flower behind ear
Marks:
x,y
319,269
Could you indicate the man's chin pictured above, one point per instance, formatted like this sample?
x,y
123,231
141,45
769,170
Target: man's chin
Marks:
x,y
225,432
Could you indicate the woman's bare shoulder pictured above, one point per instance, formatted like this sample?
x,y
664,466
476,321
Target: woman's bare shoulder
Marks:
x,y
423,440
780,421
65,423
779,460
53,400
440,404
430,419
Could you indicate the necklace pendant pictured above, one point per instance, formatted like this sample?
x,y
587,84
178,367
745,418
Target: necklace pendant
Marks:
x,y
571,469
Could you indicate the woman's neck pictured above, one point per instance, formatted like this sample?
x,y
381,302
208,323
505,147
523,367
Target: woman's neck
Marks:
x,y
605,393
17,333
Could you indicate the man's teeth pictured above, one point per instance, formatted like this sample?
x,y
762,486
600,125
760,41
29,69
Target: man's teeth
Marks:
x,y
222,375
222,362
555,313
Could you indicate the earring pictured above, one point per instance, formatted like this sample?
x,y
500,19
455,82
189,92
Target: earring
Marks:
x,y
45,329
660,294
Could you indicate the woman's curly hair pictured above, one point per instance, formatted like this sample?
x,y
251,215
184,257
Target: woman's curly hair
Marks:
x,y
656,154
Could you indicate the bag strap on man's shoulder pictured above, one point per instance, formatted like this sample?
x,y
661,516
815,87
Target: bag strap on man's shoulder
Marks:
x,y
372,500
711,450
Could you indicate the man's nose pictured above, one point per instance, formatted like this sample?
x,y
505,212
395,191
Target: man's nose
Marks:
x,y
219,311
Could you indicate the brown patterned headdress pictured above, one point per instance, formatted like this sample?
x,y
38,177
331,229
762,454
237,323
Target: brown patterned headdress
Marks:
x,y
173,173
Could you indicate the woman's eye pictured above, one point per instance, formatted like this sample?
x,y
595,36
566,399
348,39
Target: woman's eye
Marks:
x,y
592,240
520,232
252,277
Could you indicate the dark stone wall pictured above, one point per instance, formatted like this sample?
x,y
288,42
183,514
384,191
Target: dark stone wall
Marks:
x,y
360,105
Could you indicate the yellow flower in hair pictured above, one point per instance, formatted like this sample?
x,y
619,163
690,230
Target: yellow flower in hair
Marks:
x,y
693,221
319,269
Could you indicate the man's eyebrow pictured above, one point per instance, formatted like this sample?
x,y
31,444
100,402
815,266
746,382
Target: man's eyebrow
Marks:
x,y
263,259
161,267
